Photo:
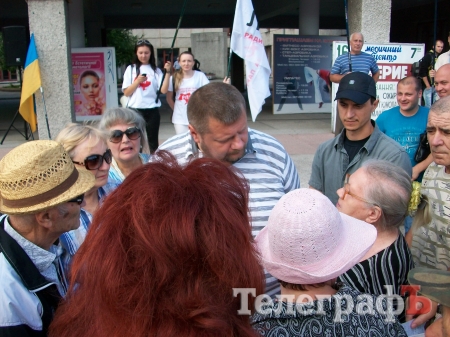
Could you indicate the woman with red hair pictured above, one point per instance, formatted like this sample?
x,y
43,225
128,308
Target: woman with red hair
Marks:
x,y
163,255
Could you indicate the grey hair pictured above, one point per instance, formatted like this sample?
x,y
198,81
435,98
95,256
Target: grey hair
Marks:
x,y
351,36
390,189
441,106
116,116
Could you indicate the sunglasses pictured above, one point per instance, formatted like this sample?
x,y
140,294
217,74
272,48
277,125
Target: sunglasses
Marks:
x,y
78,200
132,134
141,42
94,161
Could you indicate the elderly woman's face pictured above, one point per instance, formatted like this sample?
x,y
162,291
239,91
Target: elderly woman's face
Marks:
x,y
87,148
126,149
351,196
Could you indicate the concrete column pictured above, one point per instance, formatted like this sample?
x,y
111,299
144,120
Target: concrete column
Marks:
x,y
211,50
76,21
372,18
48,21
309,17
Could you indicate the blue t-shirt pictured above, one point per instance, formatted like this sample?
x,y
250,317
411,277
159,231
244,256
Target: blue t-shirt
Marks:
x,y
404,130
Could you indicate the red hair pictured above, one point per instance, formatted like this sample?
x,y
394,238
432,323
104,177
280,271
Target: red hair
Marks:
x,y
162,256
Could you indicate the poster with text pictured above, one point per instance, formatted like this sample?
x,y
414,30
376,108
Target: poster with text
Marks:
x,y
94,82
394,61
301,73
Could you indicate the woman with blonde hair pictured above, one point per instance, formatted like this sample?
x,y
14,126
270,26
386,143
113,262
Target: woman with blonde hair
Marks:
x,y
127,140
87,148
183,83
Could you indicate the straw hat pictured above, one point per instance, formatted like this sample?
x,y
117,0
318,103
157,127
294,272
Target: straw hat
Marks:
x,y
39,175
308,241
434,283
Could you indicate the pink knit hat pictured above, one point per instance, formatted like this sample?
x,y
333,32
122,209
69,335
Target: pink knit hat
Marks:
x,y
307,240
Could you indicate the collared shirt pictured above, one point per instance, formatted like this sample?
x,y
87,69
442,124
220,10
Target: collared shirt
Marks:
x,y
331,162
431,243
268,168
48,262
115,175
72,240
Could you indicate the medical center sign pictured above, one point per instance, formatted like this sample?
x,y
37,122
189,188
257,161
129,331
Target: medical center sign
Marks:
x,y
394,61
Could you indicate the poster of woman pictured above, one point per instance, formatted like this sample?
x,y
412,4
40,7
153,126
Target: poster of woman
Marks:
x,y
94,83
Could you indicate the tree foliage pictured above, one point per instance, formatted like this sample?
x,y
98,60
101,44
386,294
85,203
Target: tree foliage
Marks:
x,y
123,41
2,57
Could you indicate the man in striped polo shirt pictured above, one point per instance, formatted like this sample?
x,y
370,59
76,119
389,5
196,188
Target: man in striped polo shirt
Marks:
x,y
218,129
361,61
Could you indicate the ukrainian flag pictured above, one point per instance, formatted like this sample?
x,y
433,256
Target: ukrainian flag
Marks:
x,y
31,83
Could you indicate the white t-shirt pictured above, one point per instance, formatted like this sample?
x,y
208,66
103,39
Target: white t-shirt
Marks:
x,y
187,87
145,94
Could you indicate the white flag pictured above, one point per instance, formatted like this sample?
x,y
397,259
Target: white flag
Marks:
x,y
247,43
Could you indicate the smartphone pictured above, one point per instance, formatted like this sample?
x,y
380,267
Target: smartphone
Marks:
x,y
144,74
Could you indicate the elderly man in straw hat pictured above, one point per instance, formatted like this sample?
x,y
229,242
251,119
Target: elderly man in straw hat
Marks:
x,y
41,195
434,284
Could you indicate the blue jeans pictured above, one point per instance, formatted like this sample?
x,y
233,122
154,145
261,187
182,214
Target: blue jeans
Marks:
x,y
427,96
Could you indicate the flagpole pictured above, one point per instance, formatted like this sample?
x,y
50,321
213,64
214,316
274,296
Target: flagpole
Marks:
x,y
229,63
348,36
171,49
45,111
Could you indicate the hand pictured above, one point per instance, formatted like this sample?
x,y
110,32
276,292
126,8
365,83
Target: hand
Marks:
x,y
421,319
141,78
168,66
415,173
227,80
435,329
432,73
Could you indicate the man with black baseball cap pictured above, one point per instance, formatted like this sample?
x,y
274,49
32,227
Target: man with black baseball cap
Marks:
x,y
359,141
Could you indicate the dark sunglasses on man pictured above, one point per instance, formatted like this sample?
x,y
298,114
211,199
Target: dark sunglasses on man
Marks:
x,y
132,134
78,200
94,161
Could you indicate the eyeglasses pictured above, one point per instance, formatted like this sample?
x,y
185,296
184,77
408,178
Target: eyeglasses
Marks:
x,y
78,200
146,42
347,191
132,134
94,161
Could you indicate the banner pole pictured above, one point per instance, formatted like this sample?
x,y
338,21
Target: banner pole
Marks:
x,y
45,111
434,49
171,49
348,36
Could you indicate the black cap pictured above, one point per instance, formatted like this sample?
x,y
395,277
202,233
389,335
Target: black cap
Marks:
x,y
357,87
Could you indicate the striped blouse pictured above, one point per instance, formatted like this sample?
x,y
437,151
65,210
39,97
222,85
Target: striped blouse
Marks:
x,y
387,267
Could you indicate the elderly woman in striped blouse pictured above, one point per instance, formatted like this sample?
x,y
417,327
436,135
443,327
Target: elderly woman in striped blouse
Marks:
x,y
127,140
379,193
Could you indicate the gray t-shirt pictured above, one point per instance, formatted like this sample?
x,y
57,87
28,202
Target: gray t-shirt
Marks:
x,y
331,161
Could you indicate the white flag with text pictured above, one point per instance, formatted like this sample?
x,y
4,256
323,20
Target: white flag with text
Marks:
x,y
247,43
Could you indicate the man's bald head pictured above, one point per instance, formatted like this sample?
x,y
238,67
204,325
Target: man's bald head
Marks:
x,y
442,81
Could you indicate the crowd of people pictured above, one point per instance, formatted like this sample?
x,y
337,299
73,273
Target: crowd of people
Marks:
x,y
104,232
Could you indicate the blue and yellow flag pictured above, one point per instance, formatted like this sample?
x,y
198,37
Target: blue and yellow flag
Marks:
x,y
31,83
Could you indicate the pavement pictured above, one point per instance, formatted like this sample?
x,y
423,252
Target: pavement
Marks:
x,y
299,133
